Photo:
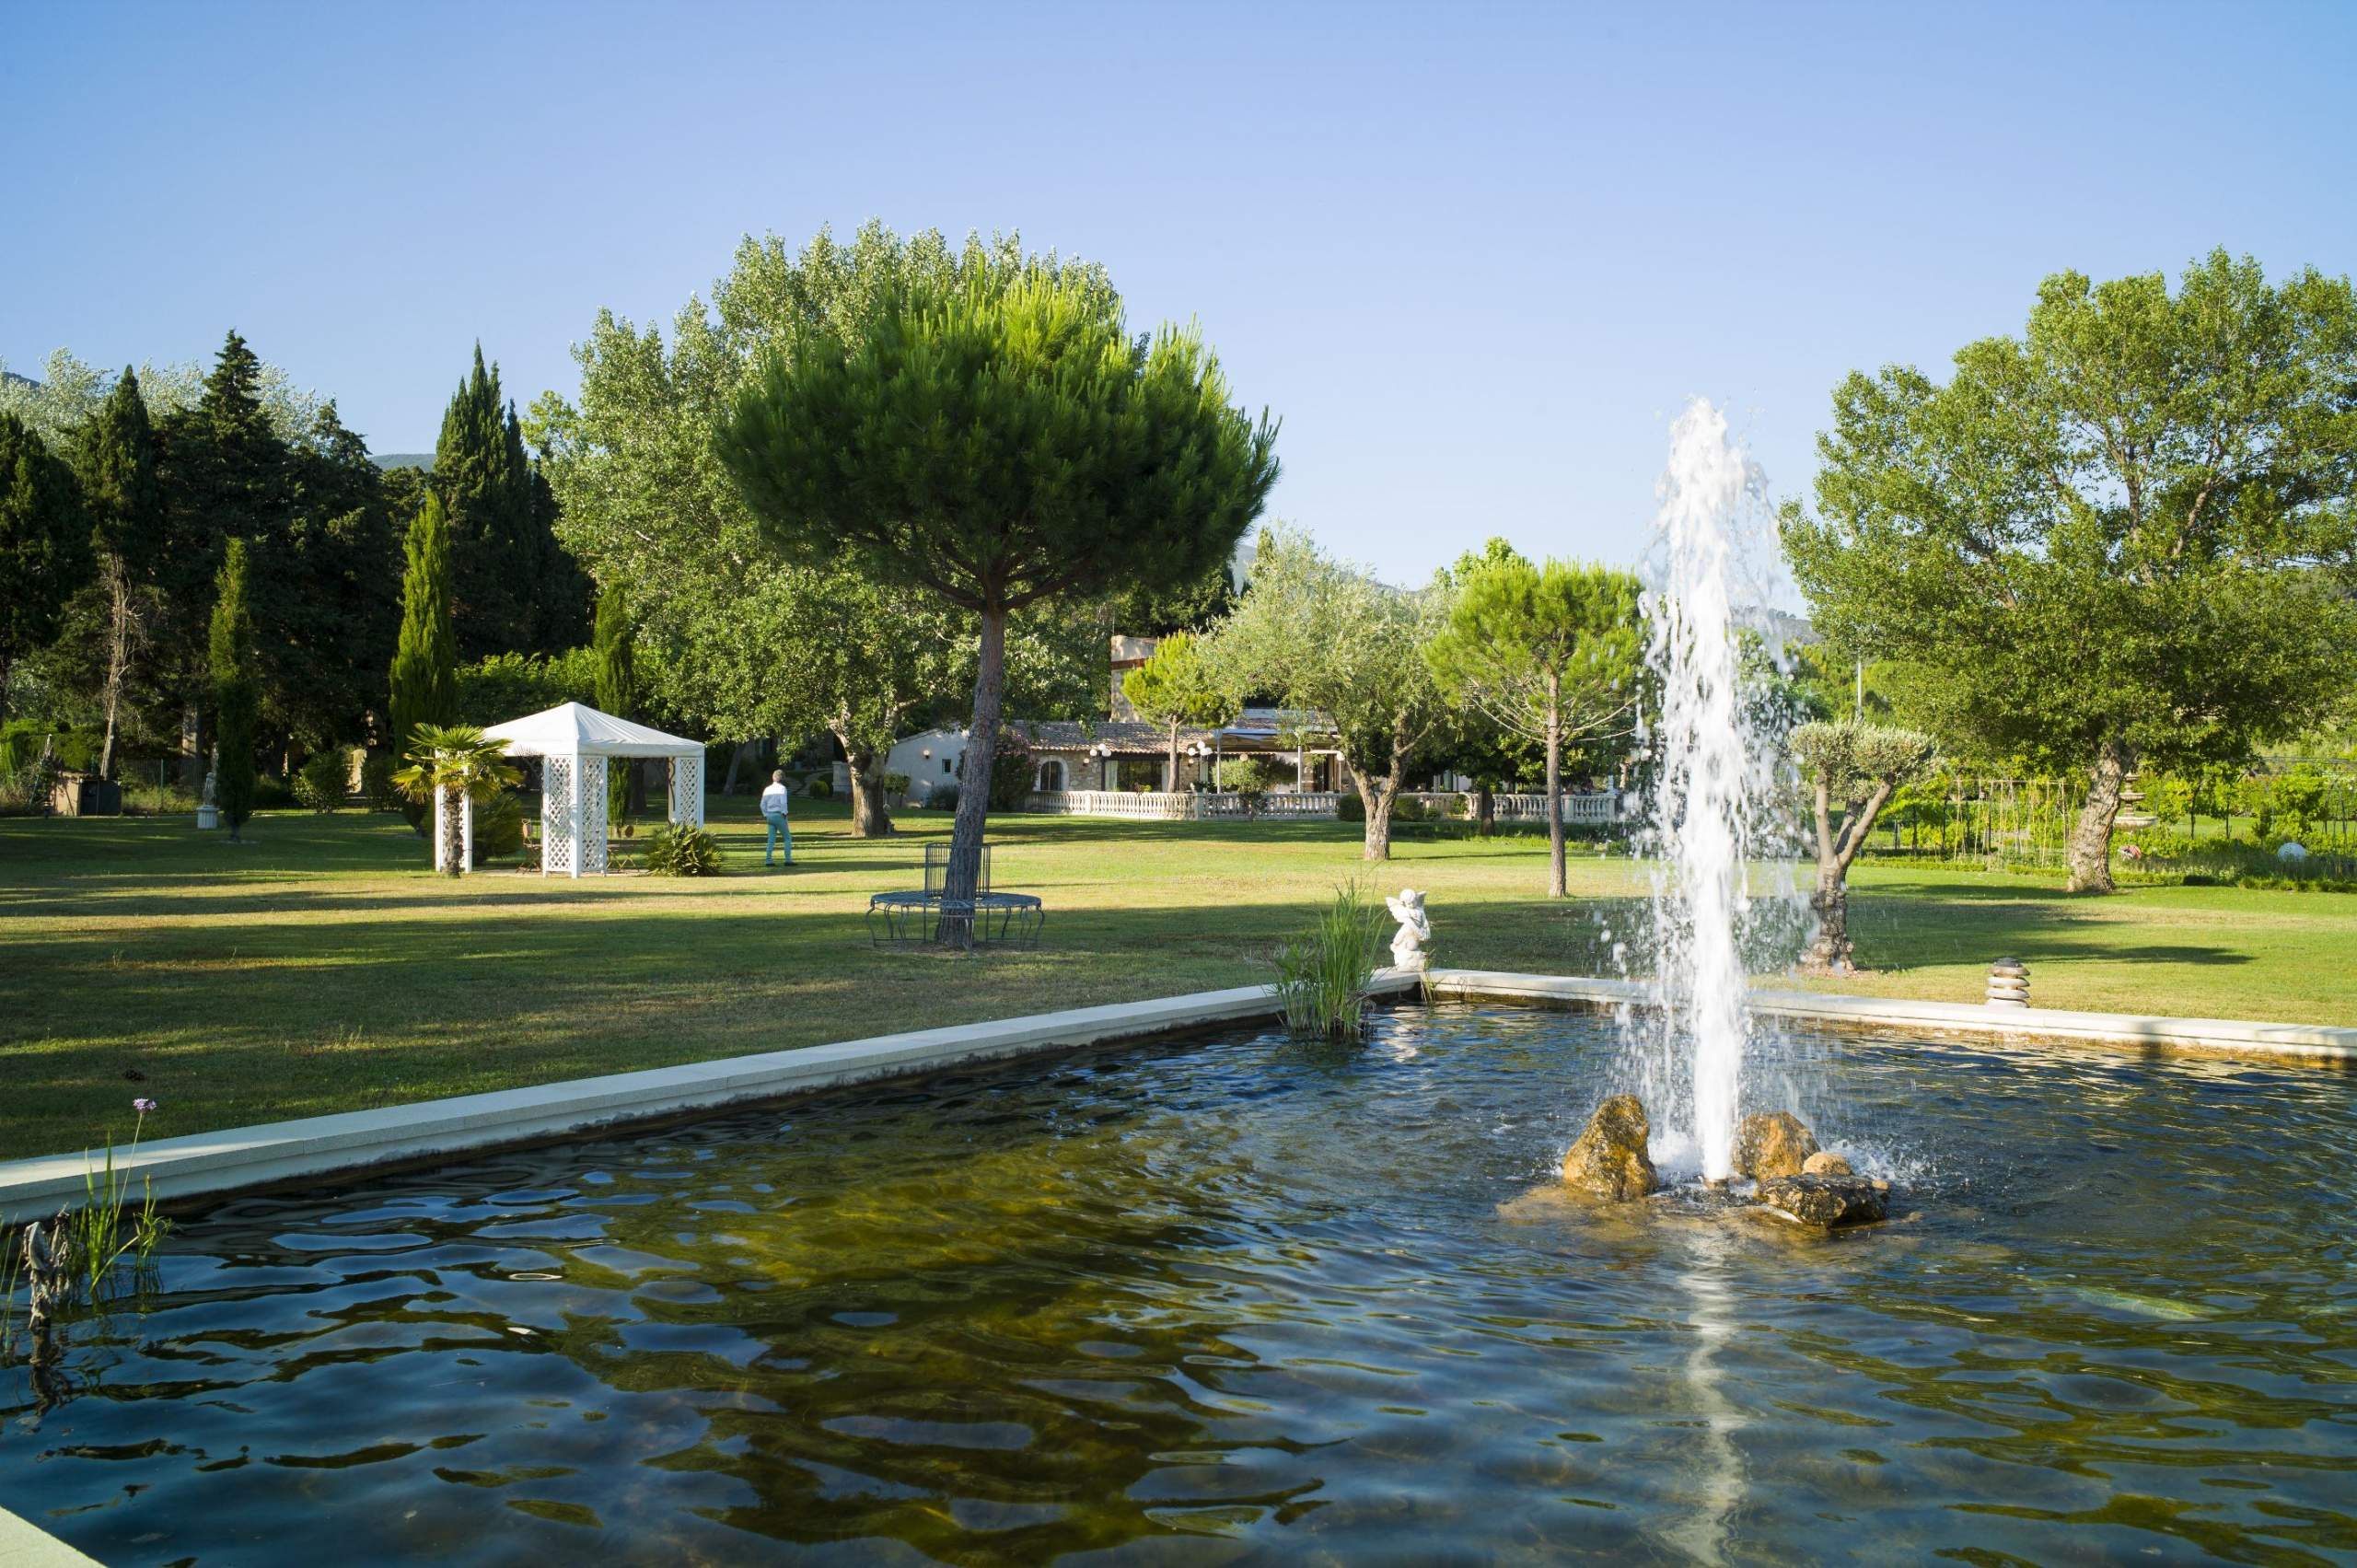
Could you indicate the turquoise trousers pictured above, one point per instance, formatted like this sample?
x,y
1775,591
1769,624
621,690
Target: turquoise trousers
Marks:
x,y
780,832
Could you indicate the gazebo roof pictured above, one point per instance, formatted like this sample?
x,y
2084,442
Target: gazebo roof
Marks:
x,y
573,729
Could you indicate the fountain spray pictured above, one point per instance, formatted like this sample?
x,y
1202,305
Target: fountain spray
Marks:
x,y
1709,769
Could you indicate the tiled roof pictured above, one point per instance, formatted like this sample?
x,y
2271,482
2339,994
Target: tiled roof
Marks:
x,y
1256,731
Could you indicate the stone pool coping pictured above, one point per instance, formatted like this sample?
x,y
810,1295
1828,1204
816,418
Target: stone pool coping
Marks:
x,y
25,1545
2319,1042
281,1153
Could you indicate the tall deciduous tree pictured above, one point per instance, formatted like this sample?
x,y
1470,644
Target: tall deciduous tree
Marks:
x,y
44,542
237,691
2123,538
1324,635
1178,686
424,679
1552,653
1855,768
126,504
1004,444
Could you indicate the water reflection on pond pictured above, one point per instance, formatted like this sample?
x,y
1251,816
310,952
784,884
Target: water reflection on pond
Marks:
x,y
1233,1298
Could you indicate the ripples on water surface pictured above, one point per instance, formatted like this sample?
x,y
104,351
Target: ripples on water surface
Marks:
x,y
1235,1298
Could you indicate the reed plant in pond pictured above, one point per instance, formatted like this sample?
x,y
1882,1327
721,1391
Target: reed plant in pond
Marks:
x,y
1325,973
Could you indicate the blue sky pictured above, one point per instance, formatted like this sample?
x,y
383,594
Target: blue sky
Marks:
x,y
1475,257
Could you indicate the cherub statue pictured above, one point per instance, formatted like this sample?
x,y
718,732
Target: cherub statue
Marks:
x,y
1415,929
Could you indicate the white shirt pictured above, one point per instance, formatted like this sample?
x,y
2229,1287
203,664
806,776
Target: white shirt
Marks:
x,y
774,801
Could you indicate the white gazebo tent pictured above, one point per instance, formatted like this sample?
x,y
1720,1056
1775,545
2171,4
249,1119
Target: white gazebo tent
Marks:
x,y
573,743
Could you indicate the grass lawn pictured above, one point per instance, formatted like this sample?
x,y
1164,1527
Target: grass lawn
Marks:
x,y
320,968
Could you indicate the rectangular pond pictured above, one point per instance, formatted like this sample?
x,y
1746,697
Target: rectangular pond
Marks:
x,y
1234,1298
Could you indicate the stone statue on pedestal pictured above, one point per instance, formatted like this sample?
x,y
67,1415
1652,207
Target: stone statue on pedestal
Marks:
x,y
208,812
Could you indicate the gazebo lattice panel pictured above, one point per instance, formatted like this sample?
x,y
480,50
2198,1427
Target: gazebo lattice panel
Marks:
x,y
557,846
687,790
590,811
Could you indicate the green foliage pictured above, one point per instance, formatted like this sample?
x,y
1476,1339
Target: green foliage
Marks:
x,y
1324,972
377,785
1250,775
1012,771
1851,758
499,827
2123,535
818,786
236,698
617,686
1001,444
942,796
452,760
44,542
513,587
425,657
1349,808
896,783
319,784
507,686
730,635
1322,635
678,850
1553,649
1180,686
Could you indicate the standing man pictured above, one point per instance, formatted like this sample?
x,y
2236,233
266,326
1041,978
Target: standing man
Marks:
x,y
773,808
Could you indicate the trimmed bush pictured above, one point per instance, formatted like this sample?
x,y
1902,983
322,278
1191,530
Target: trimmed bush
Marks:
x,y
818,786
942,797
1350,808
318,783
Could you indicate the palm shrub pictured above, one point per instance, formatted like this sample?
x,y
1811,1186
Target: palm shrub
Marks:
x,y
678,850
1324,972
454,762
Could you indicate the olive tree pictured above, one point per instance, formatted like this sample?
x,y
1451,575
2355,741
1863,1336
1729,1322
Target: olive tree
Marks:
x,y
2125,538
1552,653
1855,768
1324,635
1000,444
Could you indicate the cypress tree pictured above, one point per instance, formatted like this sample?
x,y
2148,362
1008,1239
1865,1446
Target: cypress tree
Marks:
x,y
126,503
44,542
236,697
425,656
617,687
486,485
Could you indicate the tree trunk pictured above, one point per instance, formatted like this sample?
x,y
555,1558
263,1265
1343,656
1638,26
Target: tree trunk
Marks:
x,y
1377,795
2091,837
453,853
192,748
118,630
1170,774
1554,785
1485,810
868,818
974,790
737,760
1830,950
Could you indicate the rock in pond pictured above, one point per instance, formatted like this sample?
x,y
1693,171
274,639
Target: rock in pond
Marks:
x,y
1609,1159
1826,1201
1771,1143
1824,1162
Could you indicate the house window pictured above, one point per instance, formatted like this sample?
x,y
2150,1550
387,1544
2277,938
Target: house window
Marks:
x,y
945,764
